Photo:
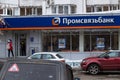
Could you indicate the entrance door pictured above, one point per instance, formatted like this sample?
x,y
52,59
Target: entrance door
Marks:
x,y
20,44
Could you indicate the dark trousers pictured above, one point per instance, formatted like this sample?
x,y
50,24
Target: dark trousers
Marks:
x,y
11,52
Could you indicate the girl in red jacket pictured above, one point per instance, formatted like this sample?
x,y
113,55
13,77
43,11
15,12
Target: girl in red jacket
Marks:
x,y
10,48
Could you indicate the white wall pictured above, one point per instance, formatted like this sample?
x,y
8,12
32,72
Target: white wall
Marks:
x,y
36,42
30,2
62,1
99,2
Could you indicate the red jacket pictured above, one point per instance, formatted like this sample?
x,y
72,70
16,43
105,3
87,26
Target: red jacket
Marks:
x,y
10,47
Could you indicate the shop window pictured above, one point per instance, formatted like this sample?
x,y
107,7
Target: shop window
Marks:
x,y
100,41
75,42
60,41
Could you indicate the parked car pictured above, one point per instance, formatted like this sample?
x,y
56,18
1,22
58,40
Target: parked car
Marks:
x,y
29,69
47,56
2,61
108,61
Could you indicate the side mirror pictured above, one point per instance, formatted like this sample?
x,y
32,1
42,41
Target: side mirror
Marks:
x,y
76,78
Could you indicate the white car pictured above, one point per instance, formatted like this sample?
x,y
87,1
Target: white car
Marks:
x,y
47,56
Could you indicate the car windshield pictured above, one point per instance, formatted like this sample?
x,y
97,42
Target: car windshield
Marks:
x,y
59,56
31,72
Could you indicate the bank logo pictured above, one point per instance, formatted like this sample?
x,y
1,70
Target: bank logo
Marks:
x,y
56,21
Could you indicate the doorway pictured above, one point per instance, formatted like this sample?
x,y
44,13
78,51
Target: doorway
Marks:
x,y
20,44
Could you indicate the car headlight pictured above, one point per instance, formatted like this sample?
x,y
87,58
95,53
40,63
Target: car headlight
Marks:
x,y
84,61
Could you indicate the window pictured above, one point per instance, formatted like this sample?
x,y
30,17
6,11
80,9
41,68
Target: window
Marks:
x,y
90,9
47,56
73,9
60,8
30,11
59,56
105,8
98,9
66,9
113,54
39,11
22,11
1,11
63,9
37,56
61,41
54,9
9,11
28,71
100,41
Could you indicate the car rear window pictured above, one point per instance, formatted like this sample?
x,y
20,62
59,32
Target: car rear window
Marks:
x,y
31,71
59,56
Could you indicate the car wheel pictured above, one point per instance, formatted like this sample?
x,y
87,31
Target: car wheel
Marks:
x,y
93,69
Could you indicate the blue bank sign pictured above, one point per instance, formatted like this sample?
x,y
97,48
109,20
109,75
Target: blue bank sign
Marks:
x,y
84,21
60,21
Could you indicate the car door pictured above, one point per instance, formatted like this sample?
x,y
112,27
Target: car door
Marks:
x,y
118,60
109,61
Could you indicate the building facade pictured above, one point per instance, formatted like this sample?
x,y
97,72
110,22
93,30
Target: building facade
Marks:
x,y
88,38
56,7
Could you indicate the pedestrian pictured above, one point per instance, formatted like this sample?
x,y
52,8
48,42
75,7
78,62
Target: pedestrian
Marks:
x,y
10,48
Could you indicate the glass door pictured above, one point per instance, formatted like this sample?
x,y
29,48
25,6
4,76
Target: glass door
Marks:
x,y
20,44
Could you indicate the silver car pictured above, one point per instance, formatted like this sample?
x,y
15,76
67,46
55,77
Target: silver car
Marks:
x,y
47,56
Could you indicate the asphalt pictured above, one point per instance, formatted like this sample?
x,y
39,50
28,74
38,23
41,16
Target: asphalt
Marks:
x,y
102,76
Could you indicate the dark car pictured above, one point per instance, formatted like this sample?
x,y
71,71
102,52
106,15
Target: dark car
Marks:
x,y
2,61
35,70
108,61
